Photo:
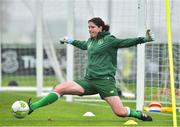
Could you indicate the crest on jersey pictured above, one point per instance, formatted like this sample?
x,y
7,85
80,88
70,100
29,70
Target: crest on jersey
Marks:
x,y
100,42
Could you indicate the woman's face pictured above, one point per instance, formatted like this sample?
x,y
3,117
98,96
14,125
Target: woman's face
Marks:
x,y
94,29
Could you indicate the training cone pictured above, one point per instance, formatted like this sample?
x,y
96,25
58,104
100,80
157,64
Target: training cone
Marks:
x,y
130,122
89,114
154,106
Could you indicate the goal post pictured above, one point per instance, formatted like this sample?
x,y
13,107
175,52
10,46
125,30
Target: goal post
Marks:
x,y
70,48
39,48
140,76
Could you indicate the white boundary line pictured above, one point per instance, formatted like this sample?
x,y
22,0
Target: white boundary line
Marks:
x,y
98,105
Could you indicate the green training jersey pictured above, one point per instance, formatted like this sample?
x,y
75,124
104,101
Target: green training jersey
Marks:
x,y
102,54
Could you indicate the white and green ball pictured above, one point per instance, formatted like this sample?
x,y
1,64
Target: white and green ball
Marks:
x,y
20,109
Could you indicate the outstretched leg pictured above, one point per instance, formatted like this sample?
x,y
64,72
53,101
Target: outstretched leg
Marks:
x,y
121,111
71,88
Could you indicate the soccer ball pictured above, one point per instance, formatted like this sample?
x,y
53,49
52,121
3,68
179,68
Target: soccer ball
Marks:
x,y
20,109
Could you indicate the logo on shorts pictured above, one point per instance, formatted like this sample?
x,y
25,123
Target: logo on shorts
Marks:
x,y
112,91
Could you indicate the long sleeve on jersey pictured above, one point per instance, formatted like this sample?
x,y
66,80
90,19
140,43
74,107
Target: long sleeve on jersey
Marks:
x,y
80,44
123,43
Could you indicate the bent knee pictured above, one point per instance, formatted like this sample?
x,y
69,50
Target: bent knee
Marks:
x,y
60,88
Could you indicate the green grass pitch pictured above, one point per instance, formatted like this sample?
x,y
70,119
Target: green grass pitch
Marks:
x,y
62,113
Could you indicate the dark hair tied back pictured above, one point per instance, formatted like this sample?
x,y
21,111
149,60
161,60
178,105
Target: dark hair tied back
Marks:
x,y
106,28
99,22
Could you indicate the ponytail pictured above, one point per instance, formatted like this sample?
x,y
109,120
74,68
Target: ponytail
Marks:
x,y
106,28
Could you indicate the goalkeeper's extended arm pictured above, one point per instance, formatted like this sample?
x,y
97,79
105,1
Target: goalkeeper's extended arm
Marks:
x,y
79,44
121,43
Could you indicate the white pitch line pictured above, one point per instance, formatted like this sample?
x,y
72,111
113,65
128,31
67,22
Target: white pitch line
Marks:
x,y
98,105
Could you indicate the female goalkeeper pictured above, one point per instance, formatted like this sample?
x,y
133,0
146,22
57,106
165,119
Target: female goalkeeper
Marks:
x,y
100,71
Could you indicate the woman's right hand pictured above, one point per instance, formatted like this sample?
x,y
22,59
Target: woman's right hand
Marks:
x,y
67,40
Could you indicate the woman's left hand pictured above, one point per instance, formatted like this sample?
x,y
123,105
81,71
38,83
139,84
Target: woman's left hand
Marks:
x,y
148,37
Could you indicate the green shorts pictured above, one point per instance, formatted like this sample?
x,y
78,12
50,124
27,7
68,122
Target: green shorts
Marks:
x,y
103,87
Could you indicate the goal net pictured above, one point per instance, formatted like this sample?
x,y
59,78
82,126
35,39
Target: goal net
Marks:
x,y
29,28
